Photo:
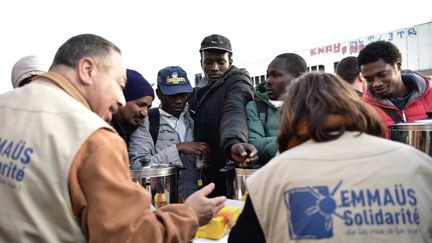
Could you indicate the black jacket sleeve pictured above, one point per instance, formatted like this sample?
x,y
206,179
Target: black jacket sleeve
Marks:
x,y
247,228
233,128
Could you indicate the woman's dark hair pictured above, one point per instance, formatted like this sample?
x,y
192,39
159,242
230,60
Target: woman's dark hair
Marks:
x,y
321,106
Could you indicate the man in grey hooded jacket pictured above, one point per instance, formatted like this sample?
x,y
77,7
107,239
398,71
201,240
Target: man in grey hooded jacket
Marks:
x,y
173,144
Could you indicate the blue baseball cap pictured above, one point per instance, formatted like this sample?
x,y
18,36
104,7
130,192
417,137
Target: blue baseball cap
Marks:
x,y
173,80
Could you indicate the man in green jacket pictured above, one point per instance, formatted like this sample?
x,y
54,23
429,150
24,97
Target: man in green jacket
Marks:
x,y
262,120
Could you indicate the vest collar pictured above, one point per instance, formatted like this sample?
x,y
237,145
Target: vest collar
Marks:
x,y
65,85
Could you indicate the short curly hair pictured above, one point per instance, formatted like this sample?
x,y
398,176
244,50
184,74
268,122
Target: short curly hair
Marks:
x,y
377,50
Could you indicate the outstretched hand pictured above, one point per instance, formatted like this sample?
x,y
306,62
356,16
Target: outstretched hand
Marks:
x,y
244,154
196,148
206,208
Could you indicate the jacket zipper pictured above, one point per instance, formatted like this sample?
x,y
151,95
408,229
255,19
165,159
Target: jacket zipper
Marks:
x,y
403,116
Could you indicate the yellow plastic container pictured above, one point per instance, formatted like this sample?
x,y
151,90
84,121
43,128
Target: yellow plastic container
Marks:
x,y
220,224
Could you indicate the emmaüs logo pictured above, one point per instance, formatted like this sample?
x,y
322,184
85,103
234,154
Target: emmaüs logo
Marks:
x,y
311,209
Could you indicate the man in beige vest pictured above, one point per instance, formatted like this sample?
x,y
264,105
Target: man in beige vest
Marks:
x,y
64,173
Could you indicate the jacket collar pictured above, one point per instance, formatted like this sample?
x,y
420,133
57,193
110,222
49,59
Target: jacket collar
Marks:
x,y
421,83
65,85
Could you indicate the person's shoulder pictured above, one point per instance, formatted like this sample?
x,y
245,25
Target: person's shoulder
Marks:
x,y
237,73
251,106
104,136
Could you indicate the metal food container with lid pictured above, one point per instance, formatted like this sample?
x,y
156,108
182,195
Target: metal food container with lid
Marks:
x,y
417,133
160,180
239,183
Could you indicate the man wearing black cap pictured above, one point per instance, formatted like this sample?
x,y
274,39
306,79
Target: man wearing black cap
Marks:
x,y
139,96
219,111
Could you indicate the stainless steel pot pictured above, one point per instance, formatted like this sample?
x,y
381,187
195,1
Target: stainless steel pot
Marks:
x,y
417,134
160,180
239,182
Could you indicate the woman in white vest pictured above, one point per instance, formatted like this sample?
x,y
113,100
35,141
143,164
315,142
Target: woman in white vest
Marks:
x,y
335,179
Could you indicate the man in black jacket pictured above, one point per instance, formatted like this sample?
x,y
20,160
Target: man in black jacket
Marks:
x,y
219,112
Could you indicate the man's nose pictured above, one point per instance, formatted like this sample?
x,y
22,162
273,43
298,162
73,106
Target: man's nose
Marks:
x,y
214,66
268,81
144,111
121,102
376,82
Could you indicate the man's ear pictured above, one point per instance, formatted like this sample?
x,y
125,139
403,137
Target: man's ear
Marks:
x,y
399,64
86,70
230,61
159,94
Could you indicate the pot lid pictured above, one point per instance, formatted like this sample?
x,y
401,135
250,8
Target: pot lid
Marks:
x,y
154,170
422,124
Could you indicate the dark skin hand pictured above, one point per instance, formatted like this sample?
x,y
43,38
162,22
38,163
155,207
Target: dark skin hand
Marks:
x,y
197,148
244,154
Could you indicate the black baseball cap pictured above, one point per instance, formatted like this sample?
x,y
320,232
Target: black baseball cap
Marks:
x,y
216,42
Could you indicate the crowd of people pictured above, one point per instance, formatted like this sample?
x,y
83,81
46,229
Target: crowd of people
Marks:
x,y
72,132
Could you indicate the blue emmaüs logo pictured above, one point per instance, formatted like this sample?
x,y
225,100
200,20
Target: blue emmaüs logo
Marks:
x,y
310,211
14,157
382,210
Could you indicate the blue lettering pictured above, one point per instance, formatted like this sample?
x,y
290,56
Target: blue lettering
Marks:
x,y
2,144
373,197
347,218
379,217
8,149
17,150
5,166
412,198
345,198
400,195
389,218
388,199
416,217
357,199
390,36
20,174
27,153
412,31
358,219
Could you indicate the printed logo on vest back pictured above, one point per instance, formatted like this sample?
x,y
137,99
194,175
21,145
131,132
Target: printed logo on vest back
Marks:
x,y
384,210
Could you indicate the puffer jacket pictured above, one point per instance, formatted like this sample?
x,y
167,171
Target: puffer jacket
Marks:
x,y
262,135
419,103
220,119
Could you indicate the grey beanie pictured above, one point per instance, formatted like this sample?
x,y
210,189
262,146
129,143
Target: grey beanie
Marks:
x,y
27,67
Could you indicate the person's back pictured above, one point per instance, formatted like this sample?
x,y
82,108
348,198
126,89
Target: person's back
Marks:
x,y
30,179
262,112
337,195
322,188
398,95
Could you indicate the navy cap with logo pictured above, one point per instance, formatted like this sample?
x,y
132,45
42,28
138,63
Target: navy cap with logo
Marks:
x,y
173,80
216,42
